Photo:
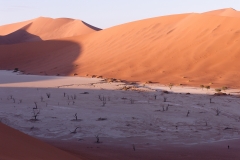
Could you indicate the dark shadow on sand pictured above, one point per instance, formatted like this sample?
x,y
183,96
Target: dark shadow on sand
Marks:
x,y
49,58
19,36
92,27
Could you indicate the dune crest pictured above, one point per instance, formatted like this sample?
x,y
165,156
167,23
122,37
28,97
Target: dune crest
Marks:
x,y
43,28
227,12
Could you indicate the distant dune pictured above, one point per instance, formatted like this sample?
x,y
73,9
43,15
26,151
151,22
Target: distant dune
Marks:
x,y
18,146
43,29
191,49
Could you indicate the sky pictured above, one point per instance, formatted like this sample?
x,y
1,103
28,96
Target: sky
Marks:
x,y
105,13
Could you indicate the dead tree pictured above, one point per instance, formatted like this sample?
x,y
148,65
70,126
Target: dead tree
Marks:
x,y
76,116
35,114
132,101
48,95
188,113
164,99
98,139
134,147
167,107
75,131
217,112
35,105
99,97
104,100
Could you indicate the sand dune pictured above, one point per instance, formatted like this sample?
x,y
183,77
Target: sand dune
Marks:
x,y
202,48
229,12
190,49
43,29
18,146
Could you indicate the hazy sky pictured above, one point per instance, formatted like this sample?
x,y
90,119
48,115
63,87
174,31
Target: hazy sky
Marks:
x,y
105,13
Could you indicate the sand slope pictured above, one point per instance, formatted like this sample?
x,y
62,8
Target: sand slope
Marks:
x,y
18,146
43,29
190,49
46,57
203,48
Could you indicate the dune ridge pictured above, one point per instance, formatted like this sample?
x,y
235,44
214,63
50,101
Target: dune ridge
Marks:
x,y
227,12
43,28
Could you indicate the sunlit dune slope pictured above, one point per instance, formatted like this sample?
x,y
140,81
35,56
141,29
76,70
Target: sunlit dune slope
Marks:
x,y
189,49
43,29
15,145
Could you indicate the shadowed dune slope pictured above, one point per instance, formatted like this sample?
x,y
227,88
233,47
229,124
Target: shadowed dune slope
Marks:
x,y
52,57
45,29
10,28
190,49
18,36
15,145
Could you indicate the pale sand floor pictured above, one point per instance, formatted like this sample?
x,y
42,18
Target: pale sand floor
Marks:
x,y
135,115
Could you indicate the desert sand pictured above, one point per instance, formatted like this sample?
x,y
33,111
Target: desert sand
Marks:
x,y
78,84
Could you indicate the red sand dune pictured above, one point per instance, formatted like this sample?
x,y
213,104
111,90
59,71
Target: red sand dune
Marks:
x,y
18,146
43,29
190,49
